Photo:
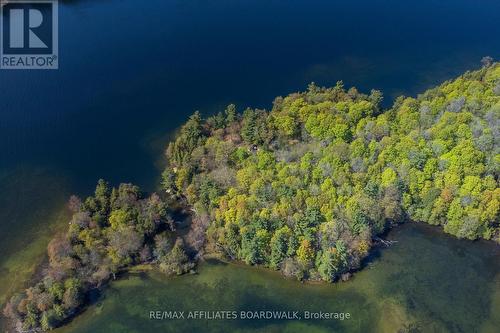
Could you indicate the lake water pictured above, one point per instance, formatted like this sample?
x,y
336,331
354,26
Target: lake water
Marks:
x,y
130,73
426,281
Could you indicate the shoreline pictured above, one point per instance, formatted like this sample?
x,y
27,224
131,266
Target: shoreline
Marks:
x,y
213,217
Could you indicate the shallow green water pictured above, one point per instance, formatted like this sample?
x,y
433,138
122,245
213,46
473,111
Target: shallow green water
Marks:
x,y
106,114
31,211
427,281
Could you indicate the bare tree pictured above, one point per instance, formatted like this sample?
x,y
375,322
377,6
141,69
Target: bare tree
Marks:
x,y
487,61
196,236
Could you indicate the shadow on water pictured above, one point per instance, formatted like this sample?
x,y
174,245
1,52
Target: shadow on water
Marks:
x,y
426,282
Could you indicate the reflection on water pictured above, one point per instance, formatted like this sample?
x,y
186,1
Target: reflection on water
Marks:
x,y
427,282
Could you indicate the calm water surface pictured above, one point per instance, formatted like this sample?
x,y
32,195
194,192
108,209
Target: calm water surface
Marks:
x,y
131,72
427,281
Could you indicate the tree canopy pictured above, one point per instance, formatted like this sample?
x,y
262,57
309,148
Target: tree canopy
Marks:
x,y
307,186
109,231
304,188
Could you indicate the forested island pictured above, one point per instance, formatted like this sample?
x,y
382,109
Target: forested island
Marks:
x,y
306,188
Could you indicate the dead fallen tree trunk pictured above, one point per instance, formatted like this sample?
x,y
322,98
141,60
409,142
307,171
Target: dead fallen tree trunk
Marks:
x,y
384,242
223,250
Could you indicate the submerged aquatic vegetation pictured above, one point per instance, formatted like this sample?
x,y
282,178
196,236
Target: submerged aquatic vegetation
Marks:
x,y
304,188
108,232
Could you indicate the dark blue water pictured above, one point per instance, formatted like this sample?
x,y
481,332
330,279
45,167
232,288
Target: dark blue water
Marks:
x,y
131,71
